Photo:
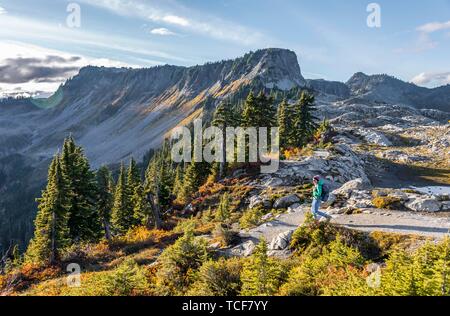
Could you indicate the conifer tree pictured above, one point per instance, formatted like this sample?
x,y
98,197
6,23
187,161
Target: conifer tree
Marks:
x,y
304,124
260,275
178,181
285,124
105,198
223,118
192,180
141,207
51,234
84,219
223,211
133,175
250,111
122,215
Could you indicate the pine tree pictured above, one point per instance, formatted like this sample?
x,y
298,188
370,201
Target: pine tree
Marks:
x,y
84,219
192,180
51,234
223,118
122,214
259,112
285,124
223,211
250,111
266,111
141,207
178,181
105,198
304,124
133,175
260,275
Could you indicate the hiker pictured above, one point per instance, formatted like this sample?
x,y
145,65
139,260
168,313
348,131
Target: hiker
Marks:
x,y
320,194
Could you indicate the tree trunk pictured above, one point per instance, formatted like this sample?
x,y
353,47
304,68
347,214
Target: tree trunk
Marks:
x,y
224,154
53,240
154,204
107,228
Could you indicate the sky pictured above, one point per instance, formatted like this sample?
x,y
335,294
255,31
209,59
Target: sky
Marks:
x,y
45,42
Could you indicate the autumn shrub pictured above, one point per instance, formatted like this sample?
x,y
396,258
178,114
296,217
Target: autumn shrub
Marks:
x,y
179,263
218,278
386,202
261,275
128,279
223,234
251,218
318,270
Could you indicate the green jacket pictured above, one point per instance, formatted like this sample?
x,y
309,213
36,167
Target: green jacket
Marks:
x,y
317,192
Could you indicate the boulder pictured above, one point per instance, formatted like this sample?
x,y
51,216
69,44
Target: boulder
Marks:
x,y
273,182
354,185
424,204
446,206
286,201
281,241
243,250
256,201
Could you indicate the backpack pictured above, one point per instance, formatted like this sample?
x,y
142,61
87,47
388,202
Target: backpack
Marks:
x,y
325,192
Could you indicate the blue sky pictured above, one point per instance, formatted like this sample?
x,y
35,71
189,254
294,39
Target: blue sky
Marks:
x,y
330,37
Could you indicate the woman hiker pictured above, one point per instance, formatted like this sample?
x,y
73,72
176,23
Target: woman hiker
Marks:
x,y
319,195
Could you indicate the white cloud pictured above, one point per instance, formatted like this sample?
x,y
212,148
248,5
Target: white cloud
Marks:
x,y
195,22
10,50
162,31
432,79
176,20
18,28
2,11
434,27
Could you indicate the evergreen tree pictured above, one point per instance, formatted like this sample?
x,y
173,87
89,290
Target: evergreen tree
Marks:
x,y
285,124
51,234
133,175
192,180
84,220
223,211
259,112
304,124
266,111
250,113
178,181
122,214
260,275
141,207
223,118
105,198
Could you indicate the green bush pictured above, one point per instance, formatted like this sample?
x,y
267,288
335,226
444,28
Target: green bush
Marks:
x,y
251,218
261,275
179,263
318,271
218,278
126,280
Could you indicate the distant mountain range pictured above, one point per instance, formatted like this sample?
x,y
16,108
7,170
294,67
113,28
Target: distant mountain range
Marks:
x,y
116,113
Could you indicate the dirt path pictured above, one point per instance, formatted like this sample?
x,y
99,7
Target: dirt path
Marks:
x,y
428,225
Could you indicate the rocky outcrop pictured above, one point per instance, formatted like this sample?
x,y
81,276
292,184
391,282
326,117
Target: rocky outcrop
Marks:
x,y
348,188
286,201
424,204
281,241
